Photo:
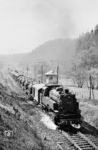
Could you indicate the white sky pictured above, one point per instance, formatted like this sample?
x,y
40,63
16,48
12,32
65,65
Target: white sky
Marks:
x,y
24,24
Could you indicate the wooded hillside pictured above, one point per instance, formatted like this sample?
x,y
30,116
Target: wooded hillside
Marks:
x,y
85,63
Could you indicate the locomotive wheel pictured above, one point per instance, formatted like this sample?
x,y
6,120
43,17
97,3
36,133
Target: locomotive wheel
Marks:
x,y
56,120
48,108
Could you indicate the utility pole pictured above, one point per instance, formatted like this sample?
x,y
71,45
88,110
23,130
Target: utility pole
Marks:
x,y
27,70
35,71
42,73
90,87
57,73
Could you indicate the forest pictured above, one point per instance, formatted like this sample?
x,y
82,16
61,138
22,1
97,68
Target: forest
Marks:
x,y
85,62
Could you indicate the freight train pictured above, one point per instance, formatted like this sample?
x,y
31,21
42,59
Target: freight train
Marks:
x,y
54,98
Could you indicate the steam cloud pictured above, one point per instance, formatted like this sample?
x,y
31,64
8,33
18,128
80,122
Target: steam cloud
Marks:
x,y
53,18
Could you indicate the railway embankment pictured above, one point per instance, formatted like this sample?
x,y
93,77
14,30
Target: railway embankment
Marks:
x,y
89,111
21,123
23,126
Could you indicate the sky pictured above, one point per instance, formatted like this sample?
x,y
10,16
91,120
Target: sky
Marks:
x,y
26,24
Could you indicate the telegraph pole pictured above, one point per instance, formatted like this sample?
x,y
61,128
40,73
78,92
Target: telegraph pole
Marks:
x,y
90,87
35,71
27,70
57,73
42,73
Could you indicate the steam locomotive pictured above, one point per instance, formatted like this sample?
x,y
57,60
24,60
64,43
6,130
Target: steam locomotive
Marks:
x,y
64,105
54,98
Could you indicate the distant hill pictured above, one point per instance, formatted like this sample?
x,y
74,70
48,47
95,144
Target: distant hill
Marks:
x,y
59,51
53,52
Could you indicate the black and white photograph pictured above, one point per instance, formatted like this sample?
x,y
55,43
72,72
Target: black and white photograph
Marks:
x,y
48,74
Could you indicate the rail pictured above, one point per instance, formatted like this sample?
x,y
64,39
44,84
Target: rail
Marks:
x,y
79,141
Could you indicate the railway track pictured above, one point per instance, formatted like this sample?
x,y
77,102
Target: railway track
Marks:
x,y
78,141
93,133
93,139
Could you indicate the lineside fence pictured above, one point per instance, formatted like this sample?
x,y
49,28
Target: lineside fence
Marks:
x,y
84,93
81,93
